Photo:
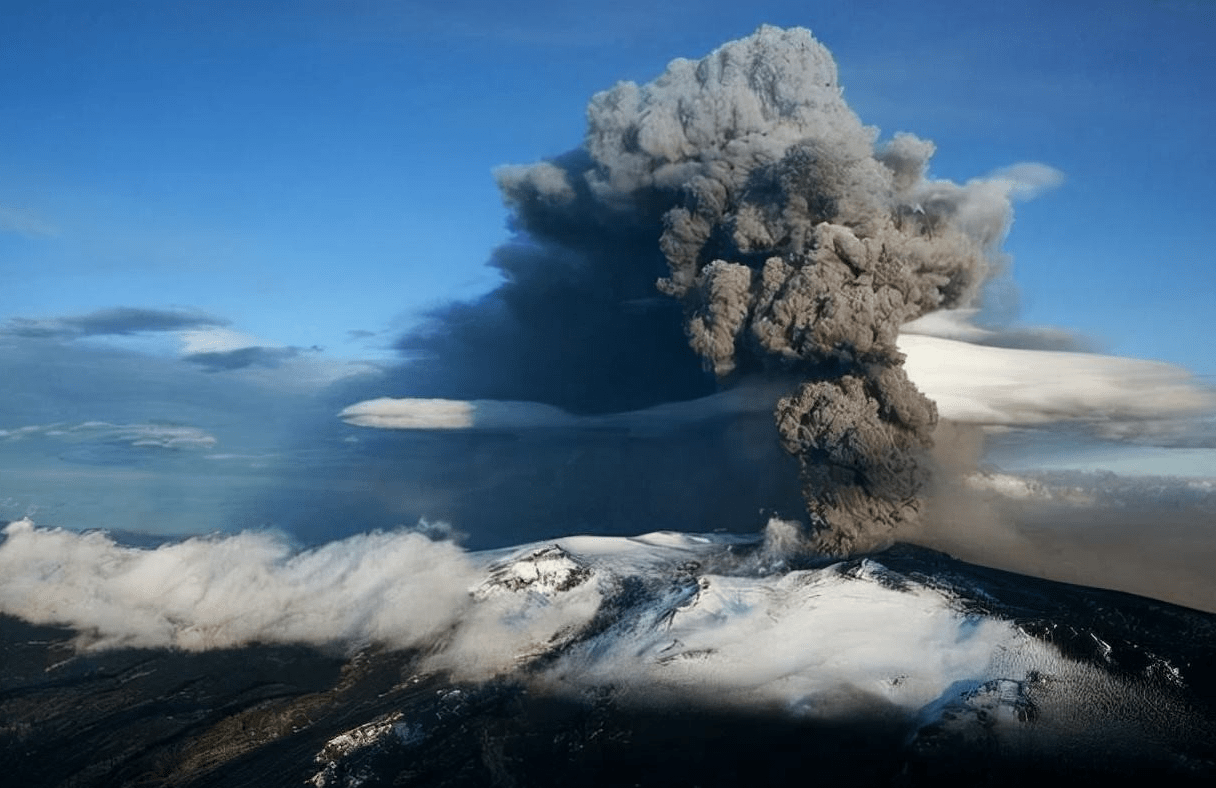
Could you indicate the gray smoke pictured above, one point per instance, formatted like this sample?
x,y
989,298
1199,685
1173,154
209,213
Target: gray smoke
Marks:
x,y
785,243
795,245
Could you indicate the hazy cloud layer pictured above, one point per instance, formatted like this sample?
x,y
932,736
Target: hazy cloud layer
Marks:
x,y
960,324
1148,535
151,435
104,436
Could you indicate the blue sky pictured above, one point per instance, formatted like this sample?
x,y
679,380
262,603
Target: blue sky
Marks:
x,y
309,169
301,181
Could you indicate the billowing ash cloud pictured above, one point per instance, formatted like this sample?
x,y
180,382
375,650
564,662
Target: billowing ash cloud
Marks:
x,y
793,245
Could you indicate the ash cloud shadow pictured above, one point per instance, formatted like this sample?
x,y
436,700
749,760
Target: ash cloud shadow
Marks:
x,y
499,488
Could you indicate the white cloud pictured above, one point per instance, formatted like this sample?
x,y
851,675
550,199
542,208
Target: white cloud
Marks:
x,y
1027,180
216,340
1007,386
948,324
211,593
484,414
271,364
145,435
410,414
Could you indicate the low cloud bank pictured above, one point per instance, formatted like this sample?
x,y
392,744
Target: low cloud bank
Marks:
x,y
401,589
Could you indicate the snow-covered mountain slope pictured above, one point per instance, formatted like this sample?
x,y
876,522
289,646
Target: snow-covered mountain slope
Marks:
x,y
664,659
942,669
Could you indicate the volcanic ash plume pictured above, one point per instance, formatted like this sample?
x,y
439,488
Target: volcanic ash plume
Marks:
x,y
796,245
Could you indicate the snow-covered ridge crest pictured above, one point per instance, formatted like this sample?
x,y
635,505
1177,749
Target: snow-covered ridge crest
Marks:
x,y
708,620
795,638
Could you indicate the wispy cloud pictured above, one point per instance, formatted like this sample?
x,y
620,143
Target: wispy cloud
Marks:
x,y
24,222
959,324
214,339
259,356
218,349
117,321
1027,180
149,435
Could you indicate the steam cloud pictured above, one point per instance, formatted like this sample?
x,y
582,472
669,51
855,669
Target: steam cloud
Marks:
x,y
794,244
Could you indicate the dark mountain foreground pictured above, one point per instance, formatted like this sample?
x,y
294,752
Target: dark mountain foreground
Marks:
x,y
1127,688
